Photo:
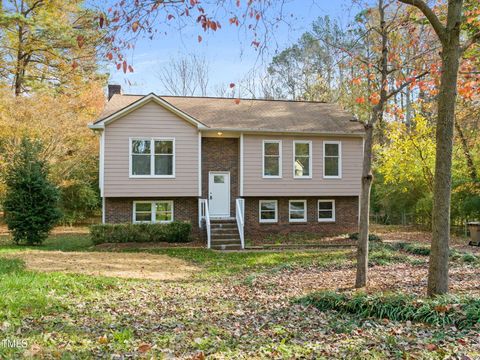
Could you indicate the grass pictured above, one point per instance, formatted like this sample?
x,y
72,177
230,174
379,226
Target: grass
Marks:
x,y
227,263
462,312
55,242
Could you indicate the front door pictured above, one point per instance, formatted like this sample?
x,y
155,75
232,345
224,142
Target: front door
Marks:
x,y
219,194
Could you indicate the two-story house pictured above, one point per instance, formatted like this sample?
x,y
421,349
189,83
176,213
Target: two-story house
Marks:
x,y
233,168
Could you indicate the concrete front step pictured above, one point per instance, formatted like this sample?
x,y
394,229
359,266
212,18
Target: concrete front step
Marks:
x,y
227,247
225,241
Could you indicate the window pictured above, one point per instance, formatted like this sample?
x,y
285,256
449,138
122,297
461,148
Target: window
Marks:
x,y
297,210
332,159
302,162
142,212
153,211
152,157
326,210
268,211
164,211
272,159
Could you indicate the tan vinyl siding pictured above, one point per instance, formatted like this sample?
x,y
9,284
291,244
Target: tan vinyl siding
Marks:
x,y
256,185
151,120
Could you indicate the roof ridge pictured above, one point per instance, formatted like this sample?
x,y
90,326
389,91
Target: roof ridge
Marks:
x,y
231,98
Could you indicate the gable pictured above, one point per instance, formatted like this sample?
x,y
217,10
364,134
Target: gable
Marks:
x,y
110,116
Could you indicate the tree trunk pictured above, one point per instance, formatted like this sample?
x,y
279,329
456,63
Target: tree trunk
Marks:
x,y
367,178
438,264
466,151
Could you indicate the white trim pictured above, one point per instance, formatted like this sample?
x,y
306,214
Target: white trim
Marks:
x,y
103,210
304,212
280,159
266,221
101,167
241,164
332,219
309,142
279,132
210,173
153,211
139,103
339,176
200,163
152,158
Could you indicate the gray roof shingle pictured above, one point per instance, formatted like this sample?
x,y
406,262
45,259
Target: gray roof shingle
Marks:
x,y
255,115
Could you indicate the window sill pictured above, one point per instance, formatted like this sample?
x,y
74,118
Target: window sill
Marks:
x,y
303,177
268,222
326,221
297,221
271,177
152,176
332,177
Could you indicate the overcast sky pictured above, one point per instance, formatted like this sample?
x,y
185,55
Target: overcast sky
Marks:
x,y
229,60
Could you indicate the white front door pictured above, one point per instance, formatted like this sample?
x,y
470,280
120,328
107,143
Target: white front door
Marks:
x,y
219,194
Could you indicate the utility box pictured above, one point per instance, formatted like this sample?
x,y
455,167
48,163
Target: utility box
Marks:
x,y
474,228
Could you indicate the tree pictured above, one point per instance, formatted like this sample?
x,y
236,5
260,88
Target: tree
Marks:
x,y
185,76
31,201
452,48
47,43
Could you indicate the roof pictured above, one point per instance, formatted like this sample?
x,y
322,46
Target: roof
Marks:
x,y
251,114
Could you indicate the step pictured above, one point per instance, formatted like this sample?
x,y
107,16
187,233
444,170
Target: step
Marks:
x,y
227,247
226,227
225,241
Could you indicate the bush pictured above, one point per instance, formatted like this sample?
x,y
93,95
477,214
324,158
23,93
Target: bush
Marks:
x,y
31,199
175,232
78,201
462,312
371,237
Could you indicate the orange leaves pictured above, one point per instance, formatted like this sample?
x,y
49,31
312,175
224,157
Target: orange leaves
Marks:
x,y
356,81
234,21
80,41
232,85
135,26
360,100
374,98
237,101
109,56
199,39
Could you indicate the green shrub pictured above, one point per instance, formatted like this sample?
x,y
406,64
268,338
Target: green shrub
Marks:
x,y
31,199
462,312
371,237
175,232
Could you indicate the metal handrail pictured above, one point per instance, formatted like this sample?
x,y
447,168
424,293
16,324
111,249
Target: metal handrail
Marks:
x,y
240,212
205,214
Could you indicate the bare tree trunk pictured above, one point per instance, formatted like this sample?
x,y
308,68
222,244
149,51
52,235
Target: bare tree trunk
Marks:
x,y
367,179
438,265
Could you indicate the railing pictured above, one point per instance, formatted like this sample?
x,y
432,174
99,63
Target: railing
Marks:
x,y
203,213
240,215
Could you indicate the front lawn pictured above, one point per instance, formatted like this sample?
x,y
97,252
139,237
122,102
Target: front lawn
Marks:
x,y
237,305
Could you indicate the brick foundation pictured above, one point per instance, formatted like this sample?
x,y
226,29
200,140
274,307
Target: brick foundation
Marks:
x,y
120,210
346,218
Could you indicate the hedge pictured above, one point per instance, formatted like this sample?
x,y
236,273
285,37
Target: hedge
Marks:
x,y
174,232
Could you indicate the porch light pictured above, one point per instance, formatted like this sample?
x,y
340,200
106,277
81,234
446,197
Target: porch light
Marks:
x,y
220,133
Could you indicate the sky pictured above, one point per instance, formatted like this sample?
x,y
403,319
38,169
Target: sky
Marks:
x,y
228,53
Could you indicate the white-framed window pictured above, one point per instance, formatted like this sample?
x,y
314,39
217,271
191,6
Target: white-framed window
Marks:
x,y
326,210
302,159
272,159
297,210
152,157
332,159
160,211
268,211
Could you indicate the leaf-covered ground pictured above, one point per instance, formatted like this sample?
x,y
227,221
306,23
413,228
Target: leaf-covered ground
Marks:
x,y
238,306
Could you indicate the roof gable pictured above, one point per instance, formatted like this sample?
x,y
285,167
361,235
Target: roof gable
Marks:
x,y
134,103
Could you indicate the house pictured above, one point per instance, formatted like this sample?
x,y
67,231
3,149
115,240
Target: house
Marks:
x,y
234,169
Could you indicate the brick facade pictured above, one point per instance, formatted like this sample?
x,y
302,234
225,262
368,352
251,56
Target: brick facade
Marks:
x,y
346,218
120,210
221,154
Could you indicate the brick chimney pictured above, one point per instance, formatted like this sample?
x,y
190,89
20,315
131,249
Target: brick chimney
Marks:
x,y
114,89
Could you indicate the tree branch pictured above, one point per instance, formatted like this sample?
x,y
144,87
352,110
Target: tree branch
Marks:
x,y
475,38
405,84
430,15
